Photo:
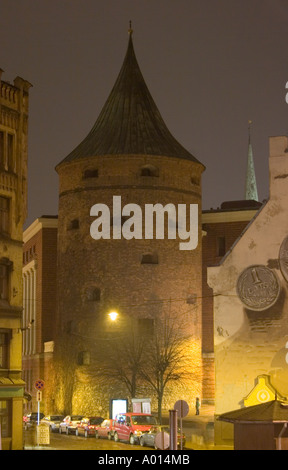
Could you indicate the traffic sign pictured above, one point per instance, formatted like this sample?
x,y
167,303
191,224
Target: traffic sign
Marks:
x,y
39,384
182,408
162,440
39,395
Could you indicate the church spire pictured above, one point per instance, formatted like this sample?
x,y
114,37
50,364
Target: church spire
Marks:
x,y
251,192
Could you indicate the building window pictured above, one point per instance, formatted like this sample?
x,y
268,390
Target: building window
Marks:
x,y
93,294
73,225
4,281
4,349
90,174
149,170
221,246
6,418
195,180
7,152
4,215
2,150
84,358
11,153
149,258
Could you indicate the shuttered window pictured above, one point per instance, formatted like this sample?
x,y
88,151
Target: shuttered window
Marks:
x,y
4,215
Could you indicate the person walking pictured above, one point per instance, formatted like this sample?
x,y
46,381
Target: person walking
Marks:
x,y
197,406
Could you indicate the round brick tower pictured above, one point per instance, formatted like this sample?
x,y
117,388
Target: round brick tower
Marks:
x,y
131,156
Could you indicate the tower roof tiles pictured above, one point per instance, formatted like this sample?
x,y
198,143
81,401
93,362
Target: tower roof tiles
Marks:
x,y
130,122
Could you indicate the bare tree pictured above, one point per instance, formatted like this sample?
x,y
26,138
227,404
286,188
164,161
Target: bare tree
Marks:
x,y
120,360
167,356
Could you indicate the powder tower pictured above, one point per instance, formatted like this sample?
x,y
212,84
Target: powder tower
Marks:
x,y
131,154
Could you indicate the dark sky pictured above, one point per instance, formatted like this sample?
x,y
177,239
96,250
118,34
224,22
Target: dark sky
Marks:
x,y
210,65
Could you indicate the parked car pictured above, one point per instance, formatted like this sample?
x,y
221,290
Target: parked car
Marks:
x,y
31,418
88,426
53,421
130,426
148,438
69,423
106,429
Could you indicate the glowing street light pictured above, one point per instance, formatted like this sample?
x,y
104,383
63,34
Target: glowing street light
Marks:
x,y
113,316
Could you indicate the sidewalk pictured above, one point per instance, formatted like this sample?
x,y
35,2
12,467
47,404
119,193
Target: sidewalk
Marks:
x,y
199,429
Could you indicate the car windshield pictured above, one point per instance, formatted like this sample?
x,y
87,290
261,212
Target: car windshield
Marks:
x,y
56,418
156,429
144,420
76,418
96,420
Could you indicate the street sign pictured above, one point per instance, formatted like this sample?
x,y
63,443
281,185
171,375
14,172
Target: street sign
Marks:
x,y
39,384
39,395
162,440
43,434
182,408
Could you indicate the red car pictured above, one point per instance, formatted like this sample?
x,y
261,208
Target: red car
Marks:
x,y
106,429
130,426
88,426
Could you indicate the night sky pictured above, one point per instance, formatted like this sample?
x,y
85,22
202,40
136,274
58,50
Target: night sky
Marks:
x,y
210,65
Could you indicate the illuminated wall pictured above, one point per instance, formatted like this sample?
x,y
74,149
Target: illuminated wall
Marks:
x,y
250,304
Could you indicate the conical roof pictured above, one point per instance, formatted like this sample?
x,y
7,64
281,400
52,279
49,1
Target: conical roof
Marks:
x,y
130,122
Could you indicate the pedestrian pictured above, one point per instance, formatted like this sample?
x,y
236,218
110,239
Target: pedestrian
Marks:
x,y
197,406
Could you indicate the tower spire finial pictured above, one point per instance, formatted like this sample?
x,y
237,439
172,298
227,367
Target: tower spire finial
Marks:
x,y
249,131
130,30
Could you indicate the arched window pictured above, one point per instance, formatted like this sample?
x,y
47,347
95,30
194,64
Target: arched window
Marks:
x,y
195,180
91,173
73,224
149,170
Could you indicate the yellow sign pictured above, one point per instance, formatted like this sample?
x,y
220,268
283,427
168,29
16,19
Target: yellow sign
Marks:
x,y
43,434
261,393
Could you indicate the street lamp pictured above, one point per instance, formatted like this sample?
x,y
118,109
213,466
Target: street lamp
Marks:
x,y
113,316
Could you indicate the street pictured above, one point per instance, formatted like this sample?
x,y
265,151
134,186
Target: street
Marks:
x,y
72,442
198,430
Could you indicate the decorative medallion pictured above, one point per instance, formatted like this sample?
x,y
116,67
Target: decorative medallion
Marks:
x,y
258,287
283,258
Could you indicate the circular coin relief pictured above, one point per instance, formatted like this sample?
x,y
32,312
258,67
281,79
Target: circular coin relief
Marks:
x,y
258,287
283,258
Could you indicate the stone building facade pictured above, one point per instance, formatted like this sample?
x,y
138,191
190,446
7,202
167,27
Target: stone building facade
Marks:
x,y
250,304
220,229
14,101
129,153
39,307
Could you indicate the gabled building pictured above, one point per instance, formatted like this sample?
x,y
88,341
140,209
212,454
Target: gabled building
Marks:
x,y
250,301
